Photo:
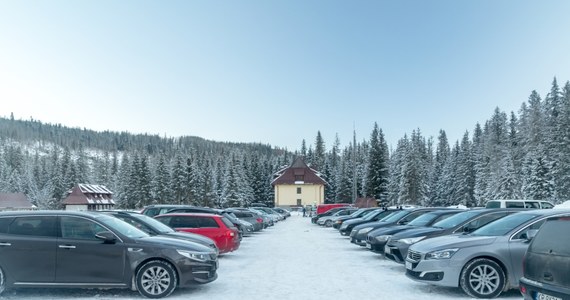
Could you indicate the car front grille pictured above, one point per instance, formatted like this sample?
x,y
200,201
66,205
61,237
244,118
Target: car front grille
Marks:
x,y
414,255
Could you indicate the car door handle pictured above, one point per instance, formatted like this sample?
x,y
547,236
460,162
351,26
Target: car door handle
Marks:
x,y
5,244
66,246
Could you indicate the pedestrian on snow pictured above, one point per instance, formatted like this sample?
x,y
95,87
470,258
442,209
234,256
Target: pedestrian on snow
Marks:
x,y
304,211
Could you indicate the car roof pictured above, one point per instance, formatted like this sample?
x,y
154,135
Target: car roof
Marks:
x,y
191,215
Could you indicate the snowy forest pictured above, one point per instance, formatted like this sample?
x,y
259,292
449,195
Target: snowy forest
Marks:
x,y
516,155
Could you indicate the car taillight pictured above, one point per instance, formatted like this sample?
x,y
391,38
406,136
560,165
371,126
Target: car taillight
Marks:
x,y
259,220
231,233
523,289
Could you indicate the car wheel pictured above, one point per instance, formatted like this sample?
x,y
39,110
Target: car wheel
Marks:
x,y
2,281
328,223
156,279
482,278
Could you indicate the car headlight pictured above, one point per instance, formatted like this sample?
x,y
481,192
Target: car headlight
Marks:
x,y
383,238
441,254
365,230
197,256
413,240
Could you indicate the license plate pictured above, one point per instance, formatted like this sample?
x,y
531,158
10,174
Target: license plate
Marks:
x,y
408,265
541,296
368,245
387,250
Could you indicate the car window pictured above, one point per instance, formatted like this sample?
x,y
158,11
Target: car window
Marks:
x,y
546,205
396,216
34,226
136,223
514,204
493,204
504,225
183,222
549,239
227,222
474,224
79,228
523,233
4,222
207,222
421,220
531,204
456,219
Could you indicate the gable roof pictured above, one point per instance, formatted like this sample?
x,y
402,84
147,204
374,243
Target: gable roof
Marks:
x,y
85,194
298,168
14,200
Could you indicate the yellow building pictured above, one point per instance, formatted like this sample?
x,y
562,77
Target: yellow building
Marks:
x,y
298,185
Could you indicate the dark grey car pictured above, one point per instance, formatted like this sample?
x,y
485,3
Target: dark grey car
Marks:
x,y
95,250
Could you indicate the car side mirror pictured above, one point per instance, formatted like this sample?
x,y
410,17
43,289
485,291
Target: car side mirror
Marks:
x,y
530,234
107,237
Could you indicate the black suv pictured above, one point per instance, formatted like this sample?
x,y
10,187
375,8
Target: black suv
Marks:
x,y
546,263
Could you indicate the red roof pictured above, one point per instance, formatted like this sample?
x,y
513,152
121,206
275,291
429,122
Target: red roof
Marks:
x,y
297,170
14,200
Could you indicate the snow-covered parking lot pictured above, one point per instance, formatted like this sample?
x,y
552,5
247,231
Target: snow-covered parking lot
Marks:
x,y
292,260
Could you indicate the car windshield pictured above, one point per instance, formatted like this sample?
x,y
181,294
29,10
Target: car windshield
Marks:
x,y
504,225
161,227
424,219
457,219
394,217
357,213
370,216
123,227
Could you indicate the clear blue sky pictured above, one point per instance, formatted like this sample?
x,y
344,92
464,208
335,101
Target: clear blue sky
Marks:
x,y
276,72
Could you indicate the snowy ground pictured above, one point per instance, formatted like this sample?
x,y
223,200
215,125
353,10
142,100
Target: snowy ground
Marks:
x,y
292,260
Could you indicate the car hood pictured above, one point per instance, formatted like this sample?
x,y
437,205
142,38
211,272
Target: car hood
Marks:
x,y
389,229
452,241
353,221
169,242
417,231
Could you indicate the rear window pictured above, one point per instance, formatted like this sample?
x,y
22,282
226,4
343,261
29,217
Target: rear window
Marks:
x,y
514,204
227,222
493,204
552,238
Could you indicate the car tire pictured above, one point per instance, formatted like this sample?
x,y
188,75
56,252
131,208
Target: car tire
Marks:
x,y
156,279
328,223
2,281
482,278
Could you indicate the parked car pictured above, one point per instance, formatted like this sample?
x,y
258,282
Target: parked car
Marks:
x,y
273,214
216,227
360,213
516,203
285,213
249,216
397,246
68,249
328,221
377,237
159,209
330,212
546,263
483,263
267,219
229,215
374,216
322,208
153,227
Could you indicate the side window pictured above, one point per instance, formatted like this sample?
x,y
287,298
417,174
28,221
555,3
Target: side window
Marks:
x,y
522,233
531,204
546,205
514,204
184,222
79,228
4,223
34,226
207,223
442,217
410,217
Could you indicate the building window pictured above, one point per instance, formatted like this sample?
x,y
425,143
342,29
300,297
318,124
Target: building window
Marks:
x,y
298,190
299,202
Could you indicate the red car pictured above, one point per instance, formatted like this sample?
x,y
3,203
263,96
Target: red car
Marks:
x,y
216,227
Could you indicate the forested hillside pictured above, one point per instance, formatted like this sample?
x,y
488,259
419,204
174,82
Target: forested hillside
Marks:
x,y
524,154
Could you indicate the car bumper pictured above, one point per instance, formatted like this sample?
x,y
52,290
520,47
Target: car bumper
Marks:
x,y
442,272
531,290
359,239
192,272
396,252
375,245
